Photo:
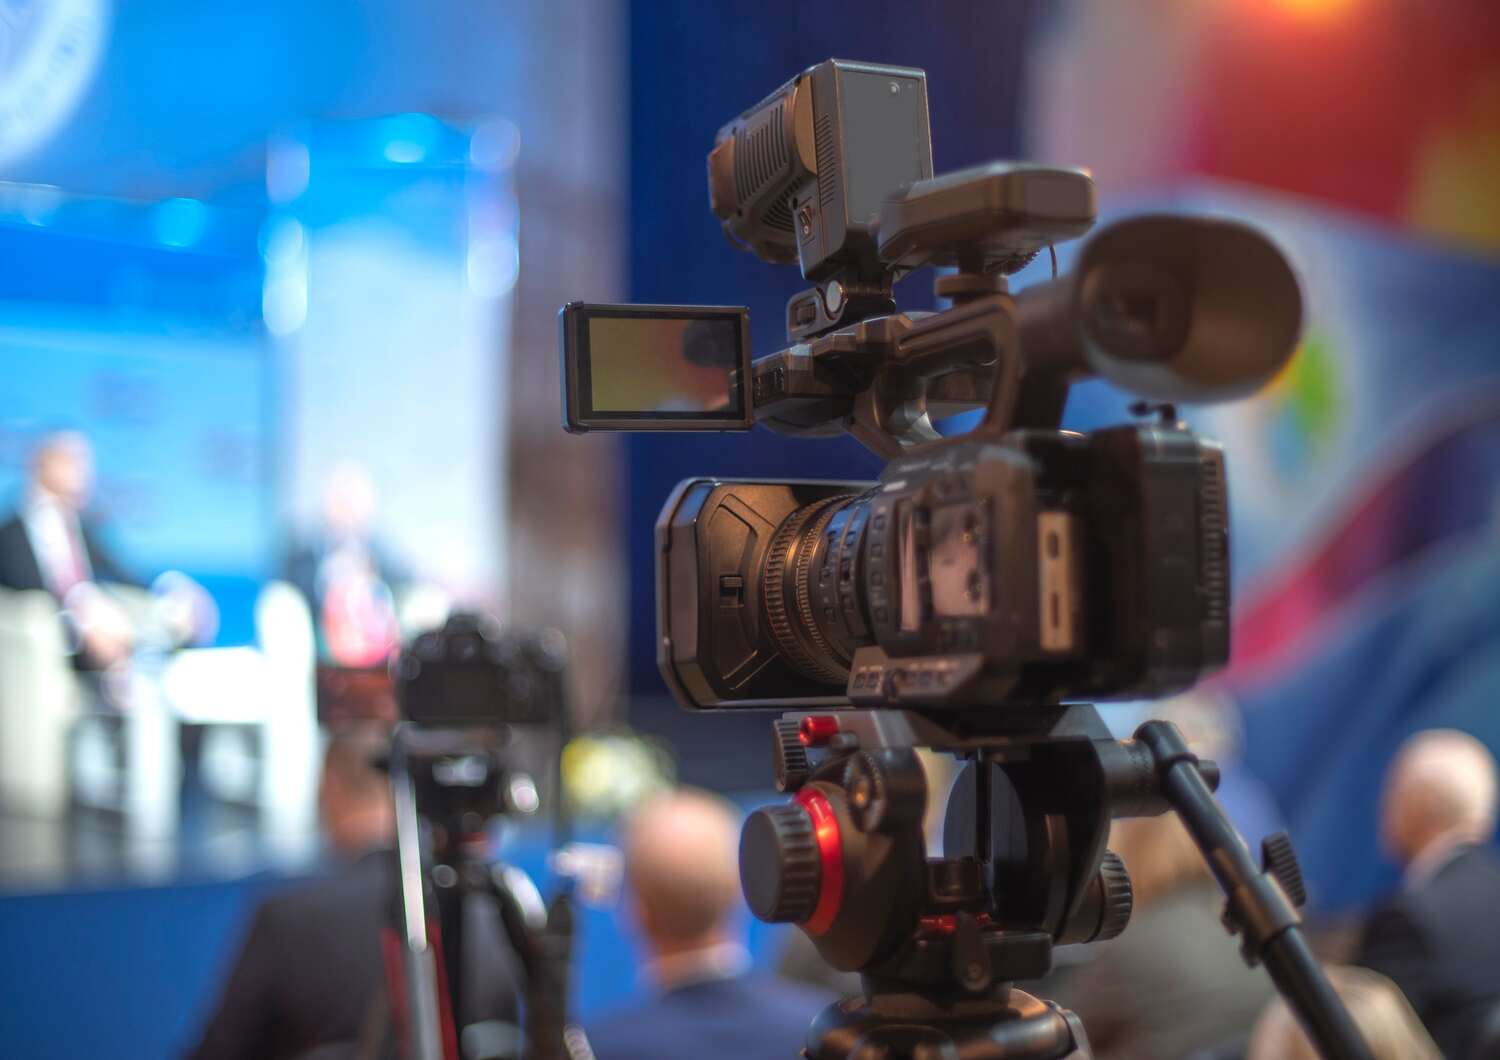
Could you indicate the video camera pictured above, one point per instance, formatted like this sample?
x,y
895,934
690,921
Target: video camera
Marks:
x,y
1016,564
967,600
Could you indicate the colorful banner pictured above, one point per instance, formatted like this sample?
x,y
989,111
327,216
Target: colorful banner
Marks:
x,y
1365,504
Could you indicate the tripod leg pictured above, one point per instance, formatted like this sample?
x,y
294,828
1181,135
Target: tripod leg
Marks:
x,y
424,1016
1258,908
543,941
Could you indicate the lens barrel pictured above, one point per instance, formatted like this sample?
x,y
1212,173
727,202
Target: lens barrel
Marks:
x,y
811,588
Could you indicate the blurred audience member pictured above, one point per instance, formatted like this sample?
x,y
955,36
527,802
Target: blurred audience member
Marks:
x,y
1382,1014
311,972
50,544
1437,939
682,865
801,962
1174,982
347,580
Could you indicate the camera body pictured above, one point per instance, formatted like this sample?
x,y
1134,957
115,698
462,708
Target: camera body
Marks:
x,y
1017,566
1040,566
471,674
464,691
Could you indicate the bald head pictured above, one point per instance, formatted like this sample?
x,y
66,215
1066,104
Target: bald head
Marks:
x,y
1441,787
682,862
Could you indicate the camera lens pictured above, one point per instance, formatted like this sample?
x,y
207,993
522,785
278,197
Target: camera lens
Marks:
x,y
810,586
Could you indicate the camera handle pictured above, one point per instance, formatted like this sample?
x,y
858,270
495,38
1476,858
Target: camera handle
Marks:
x,y
909,365
1258,909
949,355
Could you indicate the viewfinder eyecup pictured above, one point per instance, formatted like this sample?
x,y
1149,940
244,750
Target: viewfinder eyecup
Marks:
x,y
1170,308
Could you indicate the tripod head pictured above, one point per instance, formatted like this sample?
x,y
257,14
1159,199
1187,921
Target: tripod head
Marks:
x,y
939,942
1028,820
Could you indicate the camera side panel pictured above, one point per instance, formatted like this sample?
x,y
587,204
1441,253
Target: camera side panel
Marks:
x,y
713,645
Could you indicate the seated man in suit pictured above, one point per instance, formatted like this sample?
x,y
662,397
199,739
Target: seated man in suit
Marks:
x,y
1436,939
682,866
311,973
50,544
346,575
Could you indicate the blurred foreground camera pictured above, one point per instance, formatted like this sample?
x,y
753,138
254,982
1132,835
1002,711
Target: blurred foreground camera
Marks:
x,y
466,692
471,673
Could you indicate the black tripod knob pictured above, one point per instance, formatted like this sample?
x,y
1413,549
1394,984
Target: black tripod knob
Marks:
x,y
790,754
1279,858
779,866
1118,898
887,790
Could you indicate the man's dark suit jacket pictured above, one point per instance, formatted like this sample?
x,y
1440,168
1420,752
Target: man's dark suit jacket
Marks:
x,y
1440,943
1173,984
311,969
749,1017
20,570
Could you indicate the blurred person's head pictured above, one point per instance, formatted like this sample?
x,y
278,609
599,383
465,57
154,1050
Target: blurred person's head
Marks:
x,y
354,796
682,864
1159,854
1378,1008
62,466
1441,788
349,501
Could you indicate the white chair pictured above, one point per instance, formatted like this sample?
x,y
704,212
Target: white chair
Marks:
x,y
45,716
40,697
268,689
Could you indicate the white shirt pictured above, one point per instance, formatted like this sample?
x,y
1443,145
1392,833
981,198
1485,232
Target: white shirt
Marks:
x,y
723,961
56,541
1434,858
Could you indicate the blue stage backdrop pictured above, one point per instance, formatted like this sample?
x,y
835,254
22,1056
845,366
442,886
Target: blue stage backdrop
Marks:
x,y
138,323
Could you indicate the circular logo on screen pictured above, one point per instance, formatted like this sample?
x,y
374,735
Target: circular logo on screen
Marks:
x,y
49,50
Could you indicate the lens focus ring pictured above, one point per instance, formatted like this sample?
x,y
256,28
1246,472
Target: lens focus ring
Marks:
x,y
788,608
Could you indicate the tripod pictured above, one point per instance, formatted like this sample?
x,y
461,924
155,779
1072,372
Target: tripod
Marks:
x,y
451,780
940,942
